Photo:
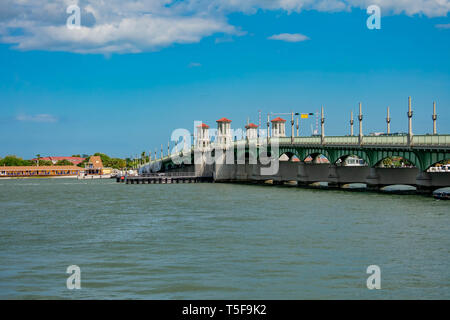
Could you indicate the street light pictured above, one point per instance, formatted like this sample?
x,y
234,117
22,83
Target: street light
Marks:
x,y
299,115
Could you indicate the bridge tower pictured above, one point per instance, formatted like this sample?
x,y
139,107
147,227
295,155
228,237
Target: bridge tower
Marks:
x,y
351,123
278,127
388,121
252,131
410,115
224,137
434,118
203,140
360,118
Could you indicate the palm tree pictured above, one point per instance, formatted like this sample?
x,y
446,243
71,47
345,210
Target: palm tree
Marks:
x,y
143,157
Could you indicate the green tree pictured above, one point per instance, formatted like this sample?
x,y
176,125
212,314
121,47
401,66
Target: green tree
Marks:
x,y
64,163
45,163
115,163
388,162
12,160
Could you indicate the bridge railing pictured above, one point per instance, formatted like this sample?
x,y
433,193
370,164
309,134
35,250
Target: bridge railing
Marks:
x,y
306,140
434,140
386,140
350,140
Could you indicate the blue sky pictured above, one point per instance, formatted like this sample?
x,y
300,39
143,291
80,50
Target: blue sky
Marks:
x,y
62,96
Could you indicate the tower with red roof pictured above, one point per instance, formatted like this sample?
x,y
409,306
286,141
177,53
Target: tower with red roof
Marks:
x,y
203,140
252,131
278,127
224,136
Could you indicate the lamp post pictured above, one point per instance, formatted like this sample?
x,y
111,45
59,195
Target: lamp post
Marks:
x,y
388,121
360,118
322,126
434,119
351,123
410,115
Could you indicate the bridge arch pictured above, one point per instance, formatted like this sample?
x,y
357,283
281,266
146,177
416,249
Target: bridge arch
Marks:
x,y
313,152
290,152
336,154
411,156
290,156
342,160
438,162
430,159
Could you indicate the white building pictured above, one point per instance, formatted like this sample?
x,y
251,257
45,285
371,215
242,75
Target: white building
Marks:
x,y
252,131
278,127
203,140
224,137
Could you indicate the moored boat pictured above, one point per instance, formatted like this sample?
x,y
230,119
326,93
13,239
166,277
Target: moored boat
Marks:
x,y
442,195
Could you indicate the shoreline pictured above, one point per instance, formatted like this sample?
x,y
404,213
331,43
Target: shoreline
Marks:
x,y
89,177
40,177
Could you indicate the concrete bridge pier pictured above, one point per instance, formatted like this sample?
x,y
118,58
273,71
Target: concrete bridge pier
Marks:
x,y
381,177
333,177
427,182
373,180
340,176
287,171
309,173
424,183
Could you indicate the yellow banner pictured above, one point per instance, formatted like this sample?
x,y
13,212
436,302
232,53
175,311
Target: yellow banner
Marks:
x,y
304,116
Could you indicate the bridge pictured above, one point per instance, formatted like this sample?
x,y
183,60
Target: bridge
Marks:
x,y
249,159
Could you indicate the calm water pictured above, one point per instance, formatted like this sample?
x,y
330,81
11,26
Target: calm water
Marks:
x,y
218,241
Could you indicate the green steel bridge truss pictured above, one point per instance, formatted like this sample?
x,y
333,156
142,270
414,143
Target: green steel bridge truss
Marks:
x,y
422,151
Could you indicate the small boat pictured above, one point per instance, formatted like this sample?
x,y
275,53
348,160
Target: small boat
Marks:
x,y
442,195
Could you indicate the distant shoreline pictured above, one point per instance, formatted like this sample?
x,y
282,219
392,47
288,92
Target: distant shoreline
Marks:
x,y
39,177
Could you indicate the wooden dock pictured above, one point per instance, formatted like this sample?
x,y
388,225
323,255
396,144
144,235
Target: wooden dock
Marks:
x,y
164,178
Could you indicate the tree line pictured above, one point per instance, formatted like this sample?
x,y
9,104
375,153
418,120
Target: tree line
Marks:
x,y
13,160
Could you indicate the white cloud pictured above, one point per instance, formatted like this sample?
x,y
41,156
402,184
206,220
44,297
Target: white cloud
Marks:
x,y
289,37
443,26
117,26
43,118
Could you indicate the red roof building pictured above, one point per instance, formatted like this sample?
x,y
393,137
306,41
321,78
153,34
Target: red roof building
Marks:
x,y
252,131
54,160
203,126
223,120
251,125
278,119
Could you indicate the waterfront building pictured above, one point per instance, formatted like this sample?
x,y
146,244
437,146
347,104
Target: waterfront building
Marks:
x,y
41,171
54,160
95,167
224,137
278,127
